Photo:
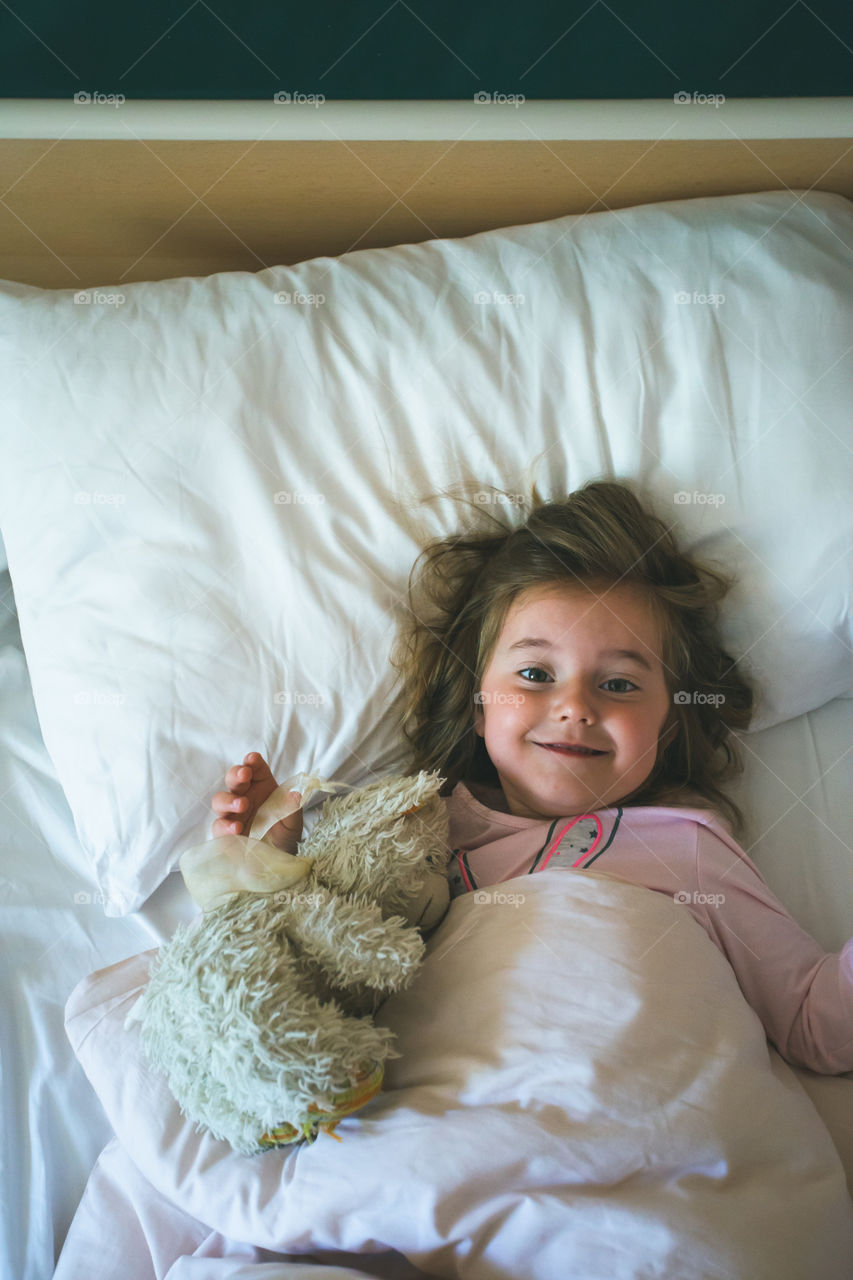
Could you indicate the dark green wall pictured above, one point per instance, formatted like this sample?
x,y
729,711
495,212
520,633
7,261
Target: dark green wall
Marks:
x,y
426,48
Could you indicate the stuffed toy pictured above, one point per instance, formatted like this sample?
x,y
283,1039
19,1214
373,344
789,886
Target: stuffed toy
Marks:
x,y
259,1012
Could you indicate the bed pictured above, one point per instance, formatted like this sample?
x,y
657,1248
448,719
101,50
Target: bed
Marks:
x,y
219,439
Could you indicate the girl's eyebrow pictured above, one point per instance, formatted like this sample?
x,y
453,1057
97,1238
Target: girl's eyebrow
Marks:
x,y
536,642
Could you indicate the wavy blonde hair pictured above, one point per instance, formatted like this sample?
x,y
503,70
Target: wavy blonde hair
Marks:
x,y
601,535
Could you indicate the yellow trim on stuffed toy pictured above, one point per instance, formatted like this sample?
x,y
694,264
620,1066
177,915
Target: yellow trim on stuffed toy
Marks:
x,y
344,1103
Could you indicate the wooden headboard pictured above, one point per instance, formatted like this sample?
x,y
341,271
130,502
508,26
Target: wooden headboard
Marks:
x,y
104,193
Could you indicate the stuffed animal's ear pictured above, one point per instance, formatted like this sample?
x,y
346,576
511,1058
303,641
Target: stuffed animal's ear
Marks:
x,y
234,864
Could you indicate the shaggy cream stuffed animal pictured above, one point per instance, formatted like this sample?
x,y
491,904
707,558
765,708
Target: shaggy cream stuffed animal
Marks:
x,y
259,1012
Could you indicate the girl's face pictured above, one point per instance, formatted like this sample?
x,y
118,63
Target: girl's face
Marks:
x,y
556,677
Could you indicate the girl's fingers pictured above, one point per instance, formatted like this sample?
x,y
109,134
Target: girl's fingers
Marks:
x,y
234,804
226,802
223,828
253,769
257,767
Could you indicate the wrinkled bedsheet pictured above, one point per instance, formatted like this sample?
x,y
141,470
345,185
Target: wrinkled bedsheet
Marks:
x,y
583,1092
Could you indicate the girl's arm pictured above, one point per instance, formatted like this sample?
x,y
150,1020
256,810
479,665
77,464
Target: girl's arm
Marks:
x,y
803,994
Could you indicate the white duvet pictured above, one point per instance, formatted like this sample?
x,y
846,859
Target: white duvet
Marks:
x,y
583,1092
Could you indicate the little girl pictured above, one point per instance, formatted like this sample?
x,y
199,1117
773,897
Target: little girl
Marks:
x,y
567,679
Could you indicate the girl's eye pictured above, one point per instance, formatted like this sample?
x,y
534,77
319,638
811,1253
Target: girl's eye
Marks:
x,y
539,669
621,680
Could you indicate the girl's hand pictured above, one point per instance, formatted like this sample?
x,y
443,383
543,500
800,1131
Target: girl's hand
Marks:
x,y
249,785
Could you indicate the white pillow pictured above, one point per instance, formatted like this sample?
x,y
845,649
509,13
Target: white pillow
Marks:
x,y
177,611
582,1091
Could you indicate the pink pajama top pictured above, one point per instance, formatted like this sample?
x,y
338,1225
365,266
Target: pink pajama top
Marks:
x,y
803,994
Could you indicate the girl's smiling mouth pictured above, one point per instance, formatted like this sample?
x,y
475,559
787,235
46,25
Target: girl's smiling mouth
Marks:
x,y
570,749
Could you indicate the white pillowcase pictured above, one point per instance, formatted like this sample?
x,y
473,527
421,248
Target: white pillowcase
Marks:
x,y
209,496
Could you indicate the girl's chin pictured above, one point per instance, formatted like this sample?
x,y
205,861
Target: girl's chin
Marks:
x,y
565,802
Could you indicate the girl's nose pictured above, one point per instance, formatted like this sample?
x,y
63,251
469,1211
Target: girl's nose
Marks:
x,y
573,703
